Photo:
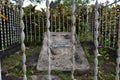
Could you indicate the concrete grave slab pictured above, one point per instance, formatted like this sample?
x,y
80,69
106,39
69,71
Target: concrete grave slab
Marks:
x,y
44,77
61,51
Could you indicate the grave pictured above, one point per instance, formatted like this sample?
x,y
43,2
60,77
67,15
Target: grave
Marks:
x,y
61,53
44,77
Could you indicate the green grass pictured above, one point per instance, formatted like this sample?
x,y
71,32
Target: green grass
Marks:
x,y
13,65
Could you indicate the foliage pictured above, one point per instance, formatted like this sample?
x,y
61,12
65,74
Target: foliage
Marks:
x,y
3,17
13,66
33,1
106,66
67,3
13,63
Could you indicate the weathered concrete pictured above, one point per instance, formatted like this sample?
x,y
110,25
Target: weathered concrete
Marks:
x,y
61,51
44,77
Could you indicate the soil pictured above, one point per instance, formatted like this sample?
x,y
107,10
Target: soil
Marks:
x,y
31,61
106,67
10,78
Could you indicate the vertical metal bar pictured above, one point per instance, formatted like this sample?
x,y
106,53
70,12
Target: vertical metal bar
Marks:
x,y
7,12
48,39
51,24
96,34
4,29
11,38
2,43
110,27
22,40
93,22
0,69
67,23
73,19
106,26
39,26
100,23
16,18
59,22
26,27
15,25
55,22
43,23
118,54
6,42
30,26
87,13
12,24
102,26
79,27
63,23
1,28
87,25
19,25
83,23
114,32
35,26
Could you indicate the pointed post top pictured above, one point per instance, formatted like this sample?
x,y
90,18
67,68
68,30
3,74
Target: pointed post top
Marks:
x,y
47,3
115,2
73,0
21,3
107,2
96,4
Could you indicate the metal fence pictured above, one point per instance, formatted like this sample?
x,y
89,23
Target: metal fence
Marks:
x,y
9,26
108,29
86,26
60,22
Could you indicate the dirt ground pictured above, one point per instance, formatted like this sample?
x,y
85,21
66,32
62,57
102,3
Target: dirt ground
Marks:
x,y
106,65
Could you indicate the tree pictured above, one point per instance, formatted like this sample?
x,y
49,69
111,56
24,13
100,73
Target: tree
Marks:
x,y
33,1
67,3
